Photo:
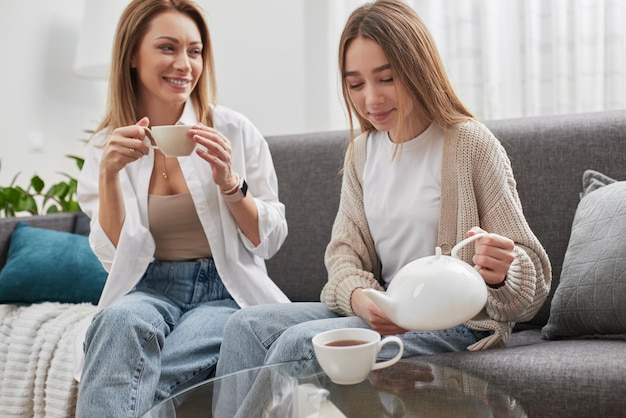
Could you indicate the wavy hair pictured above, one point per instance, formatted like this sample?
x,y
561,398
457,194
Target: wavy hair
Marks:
x,y
414,59
133,25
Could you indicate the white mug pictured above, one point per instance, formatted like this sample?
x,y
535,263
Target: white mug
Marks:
x,y
172,140
347,355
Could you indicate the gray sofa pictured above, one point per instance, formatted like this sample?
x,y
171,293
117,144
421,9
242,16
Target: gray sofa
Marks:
x,y
581,377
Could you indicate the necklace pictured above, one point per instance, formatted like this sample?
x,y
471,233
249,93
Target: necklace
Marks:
x,y
164,172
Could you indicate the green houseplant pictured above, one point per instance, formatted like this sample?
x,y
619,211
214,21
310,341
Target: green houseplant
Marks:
x,y
36,199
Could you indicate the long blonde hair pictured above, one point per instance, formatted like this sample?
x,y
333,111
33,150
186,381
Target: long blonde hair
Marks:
x,y
414,59
132,26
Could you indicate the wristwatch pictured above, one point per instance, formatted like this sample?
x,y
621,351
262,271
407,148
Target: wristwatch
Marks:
x,y
238,192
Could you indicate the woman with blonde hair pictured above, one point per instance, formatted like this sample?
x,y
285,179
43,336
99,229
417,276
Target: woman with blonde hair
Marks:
x,y
183,238
423,173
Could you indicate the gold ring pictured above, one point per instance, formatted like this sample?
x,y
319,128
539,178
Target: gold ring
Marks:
x,y
132,151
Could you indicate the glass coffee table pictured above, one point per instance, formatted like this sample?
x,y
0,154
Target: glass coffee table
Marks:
x,y
302,390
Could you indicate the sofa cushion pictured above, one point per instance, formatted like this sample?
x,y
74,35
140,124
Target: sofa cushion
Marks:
x,y
574,378
590,300
50,266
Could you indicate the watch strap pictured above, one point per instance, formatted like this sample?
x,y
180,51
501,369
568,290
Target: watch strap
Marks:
x,y
238,192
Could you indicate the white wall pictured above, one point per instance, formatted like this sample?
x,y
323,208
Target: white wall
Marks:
x,y
44,108
275,63
270,59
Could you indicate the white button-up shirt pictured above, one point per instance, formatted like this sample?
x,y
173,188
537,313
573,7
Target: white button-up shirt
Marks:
x,y
239,263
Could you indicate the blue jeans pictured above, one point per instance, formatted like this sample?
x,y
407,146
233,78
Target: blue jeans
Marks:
x,y
160,338
269,334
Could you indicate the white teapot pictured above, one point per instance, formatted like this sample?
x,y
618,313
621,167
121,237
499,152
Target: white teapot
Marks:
x,y
433,293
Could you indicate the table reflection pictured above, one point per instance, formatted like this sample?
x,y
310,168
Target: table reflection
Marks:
x,y
301,389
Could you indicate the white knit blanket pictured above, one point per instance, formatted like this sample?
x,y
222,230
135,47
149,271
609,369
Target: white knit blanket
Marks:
x,y
36,359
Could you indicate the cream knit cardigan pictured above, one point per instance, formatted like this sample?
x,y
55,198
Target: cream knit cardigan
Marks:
x,y
477,189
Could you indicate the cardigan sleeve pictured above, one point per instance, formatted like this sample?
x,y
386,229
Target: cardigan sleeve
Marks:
x,y
500,211
350,256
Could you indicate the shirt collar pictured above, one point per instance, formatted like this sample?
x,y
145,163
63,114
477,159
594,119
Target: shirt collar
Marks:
x,y
189,116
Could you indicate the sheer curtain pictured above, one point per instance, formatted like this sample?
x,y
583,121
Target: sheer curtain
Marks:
x,y
514,58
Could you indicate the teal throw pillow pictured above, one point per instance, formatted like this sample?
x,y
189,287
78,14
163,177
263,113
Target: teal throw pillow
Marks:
x,y
44,265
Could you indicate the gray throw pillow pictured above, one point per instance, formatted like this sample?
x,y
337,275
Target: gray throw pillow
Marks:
x,y
590,300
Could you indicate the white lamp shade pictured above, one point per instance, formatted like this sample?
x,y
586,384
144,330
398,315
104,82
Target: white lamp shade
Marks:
x,y
93,55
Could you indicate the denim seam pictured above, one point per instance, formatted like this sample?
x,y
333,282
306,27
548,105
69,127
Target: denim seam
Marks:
x,y
139,372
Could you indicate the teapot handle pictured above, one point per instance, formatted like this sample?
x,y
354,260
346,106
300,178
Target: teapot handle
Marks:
x,y
456,248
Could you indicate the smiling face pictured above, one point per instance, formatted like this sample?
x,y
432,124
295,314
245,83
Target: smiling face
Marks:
x,y
168,64
373,92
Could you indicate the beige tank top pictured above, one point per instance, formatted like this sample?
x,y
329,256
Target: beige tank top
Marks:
x,y
176,228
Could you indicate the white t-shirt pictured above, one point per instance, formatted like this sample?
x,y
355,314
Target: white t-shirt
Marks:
x,y
402,197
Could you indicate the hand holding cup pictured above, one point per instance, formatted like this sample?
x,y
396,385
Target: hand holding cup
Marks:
x,y
172,140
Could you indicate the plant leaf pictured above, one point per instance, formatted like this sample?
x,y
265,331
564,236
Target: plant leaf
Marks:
x,y
26,203
61,197
79,160
37,183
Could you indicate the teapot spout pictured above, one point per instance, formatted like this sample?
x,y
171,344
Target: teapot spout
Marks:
x,y
383,301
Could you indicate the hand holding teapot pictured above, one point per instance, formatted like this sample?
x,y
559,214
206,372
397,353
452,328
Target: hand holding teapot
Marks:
x,y
439,292
493,256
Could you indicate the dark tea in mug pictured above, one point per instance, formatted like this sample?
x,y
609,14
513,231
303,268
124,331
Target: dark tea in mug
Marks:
x,y
345,343
348,355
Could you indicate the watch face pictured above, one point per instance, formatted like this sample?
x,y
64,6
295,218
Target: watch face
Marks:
x,y
244,188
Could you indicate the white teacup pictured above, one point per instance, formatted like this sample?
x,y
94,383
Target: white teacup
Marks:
x,y
347,355
172,140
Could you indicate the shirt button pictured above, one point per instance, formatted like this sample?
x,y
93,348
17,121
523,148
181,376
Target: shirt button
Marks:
x,y
445,248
